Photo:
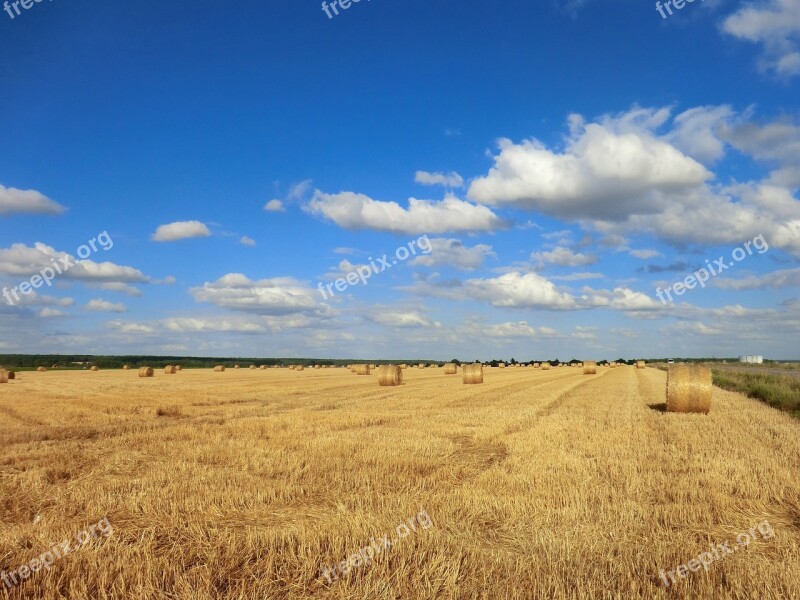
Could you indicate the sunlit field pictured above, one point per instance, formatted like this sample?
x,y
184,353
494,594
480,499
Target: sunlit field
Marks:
x,y
536,484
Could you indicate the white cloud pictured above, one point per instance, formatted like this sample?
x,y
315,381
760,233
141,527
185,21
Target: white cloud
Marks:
x,y
15,202
357,211
99,305
398,318
247,241
275,206
509,330
22,260
577,276
452,179
516,290
563,257
453,253
644,253
130,328
216,325
117,286
51,313
276,297
346,251
608,170
697,132
180,230
776,25
775,280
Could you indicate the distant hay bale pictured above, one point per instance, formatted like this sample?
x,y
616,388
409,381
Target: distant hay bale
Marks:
x,y
590,367
253,367
389,375
689,389
170,370
545,366
472,373
94,368
421,365
263,367
501,365
178,368
146,372
317,366
300,367
11,375
450,369
41,370
640,364
236,366
219,368
361,369
126,367
404,366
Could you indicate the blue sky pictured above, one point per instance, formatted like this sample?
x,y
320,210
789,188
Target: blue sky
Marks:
x,y
564,159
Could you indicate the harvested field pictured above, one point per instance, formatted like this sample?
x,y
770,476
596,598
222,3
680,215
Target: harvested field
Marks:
x,y
538,484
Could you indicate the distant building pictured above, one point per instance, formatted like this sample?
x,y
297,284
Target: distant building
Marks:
x,y
751,359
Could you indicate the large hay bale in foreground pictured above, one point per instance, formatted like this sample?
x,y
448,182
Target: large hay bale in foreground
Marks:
x,y
3,377
640,364
450,369
472,373
545,366
41,370
389,375
146,372
361,369
689,389
170,370
590,367
219,368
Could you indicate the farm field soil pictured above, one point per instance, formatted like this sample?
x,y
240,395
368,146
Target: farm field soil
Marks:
x,y
247,484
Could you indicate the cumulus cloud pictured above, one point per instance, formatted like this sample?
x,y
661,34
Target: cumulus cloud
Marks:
x,y
276,297
399,318
775,24
608,170
100,305
517,290
357,211
247,241
51,313
180,230
644,253
22,260
14,202
275,206
563,257
775,280
453,253
697,132
452,179
519,329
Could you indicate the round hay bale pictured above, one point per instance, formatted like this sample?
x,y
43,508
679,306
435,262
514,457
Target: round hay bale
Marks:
x,y
263,367
689,389
236,367
41,369
178,368
317,366
501,365
421,365
170,370
450,369
126,367
389,375
219,368
472,373
545,366
3,377
146,372
11,375
299,367
590,367
640,364
94,368
361,369
253,367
